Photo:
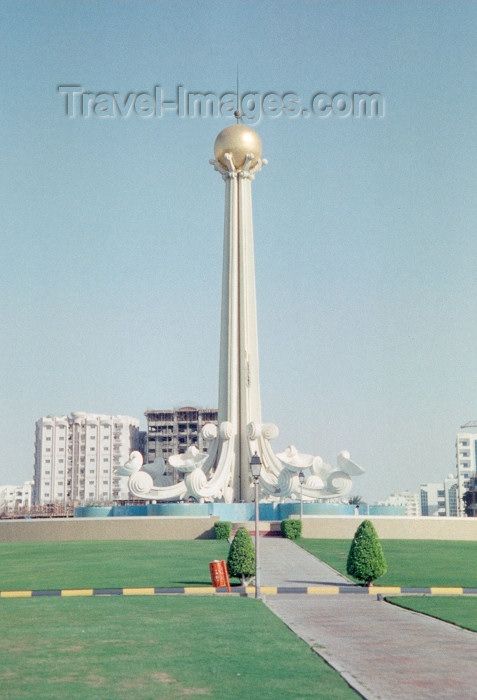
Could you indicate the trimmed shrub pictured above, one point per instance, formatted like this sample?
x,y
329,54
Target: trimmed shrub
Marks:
x,y
366,560
291,529
222,530
241,558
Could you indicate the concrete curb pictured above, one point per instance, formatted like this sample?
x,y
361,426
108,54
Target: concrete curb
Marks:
x,y
242,591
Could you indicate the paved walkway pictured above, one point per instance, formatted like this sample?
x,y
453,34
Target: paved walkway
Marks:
x,y
383,652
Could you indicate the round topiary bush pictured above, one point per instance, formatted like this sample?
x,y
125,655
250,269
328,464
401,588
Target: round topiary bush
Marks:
x,y
222,530
241,558
366,560
291,529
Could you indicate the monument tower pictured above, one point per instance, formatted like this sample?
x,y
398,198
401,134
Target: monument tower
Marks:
x,y
223,472
238,151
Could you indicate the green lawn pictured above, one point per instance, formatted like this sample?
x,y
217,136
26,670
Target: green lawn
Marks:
x,y
458,610
418,563
111,564
156,647
411,563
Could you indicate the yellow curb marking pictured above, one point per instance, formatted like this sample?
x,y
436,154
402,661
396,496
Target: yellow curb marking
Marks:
x,y
70,592
447,591
138,591
15,594
199,590
323,590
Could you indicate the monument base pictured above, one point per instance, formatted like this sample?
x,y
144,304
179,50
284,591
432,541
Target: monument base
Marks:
x,y
234,512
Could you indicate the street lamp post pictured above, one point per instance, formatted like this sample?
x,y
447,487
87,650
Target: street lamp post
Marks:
x,y
301,478
255,467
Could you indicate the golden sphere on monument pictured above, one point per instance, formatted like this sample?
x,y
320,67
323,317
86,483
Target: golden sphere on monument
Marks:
x,y
238,140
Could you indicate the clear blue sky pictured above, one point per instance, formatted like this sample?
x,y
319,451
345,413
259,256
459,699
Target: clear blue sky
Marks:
x,y
365,229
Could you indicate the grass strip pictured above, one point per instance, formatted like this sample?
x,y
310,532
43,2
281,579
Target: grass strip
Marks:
x,y
459,611
163,647
108,564
411,563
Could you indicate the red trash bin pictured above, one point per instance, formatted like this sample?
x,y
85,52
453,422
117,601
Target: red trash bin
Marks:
x,y
219,574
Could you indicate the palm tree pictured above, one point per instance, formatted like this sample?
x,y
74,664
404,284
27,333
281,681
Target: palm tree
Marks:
x,y
355,500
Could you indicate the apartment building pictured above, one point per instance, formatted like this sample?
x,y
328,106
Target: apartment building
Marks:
x,y
75,456
15,498
466,460
410,501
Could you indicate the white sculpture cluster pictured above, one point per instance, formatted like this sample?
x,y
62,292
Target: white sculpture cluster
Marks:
x,y
207,476
223,472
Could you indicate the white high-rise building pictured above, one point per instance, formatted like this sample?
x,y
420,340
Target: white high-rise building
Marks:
x,y
75,456
451,494
433,499
466,459
410,501
440,498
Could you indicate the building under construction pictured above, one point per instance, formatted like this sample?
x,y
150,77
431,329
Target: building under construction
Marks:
x,y
172,432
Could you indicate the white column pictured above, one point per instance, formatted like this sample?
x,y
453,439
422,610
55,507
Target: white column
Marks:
x,y
239,391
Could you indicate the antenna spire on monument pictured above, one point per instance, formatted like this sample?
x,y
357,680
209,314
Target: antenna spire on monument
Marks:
x,y
238,114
